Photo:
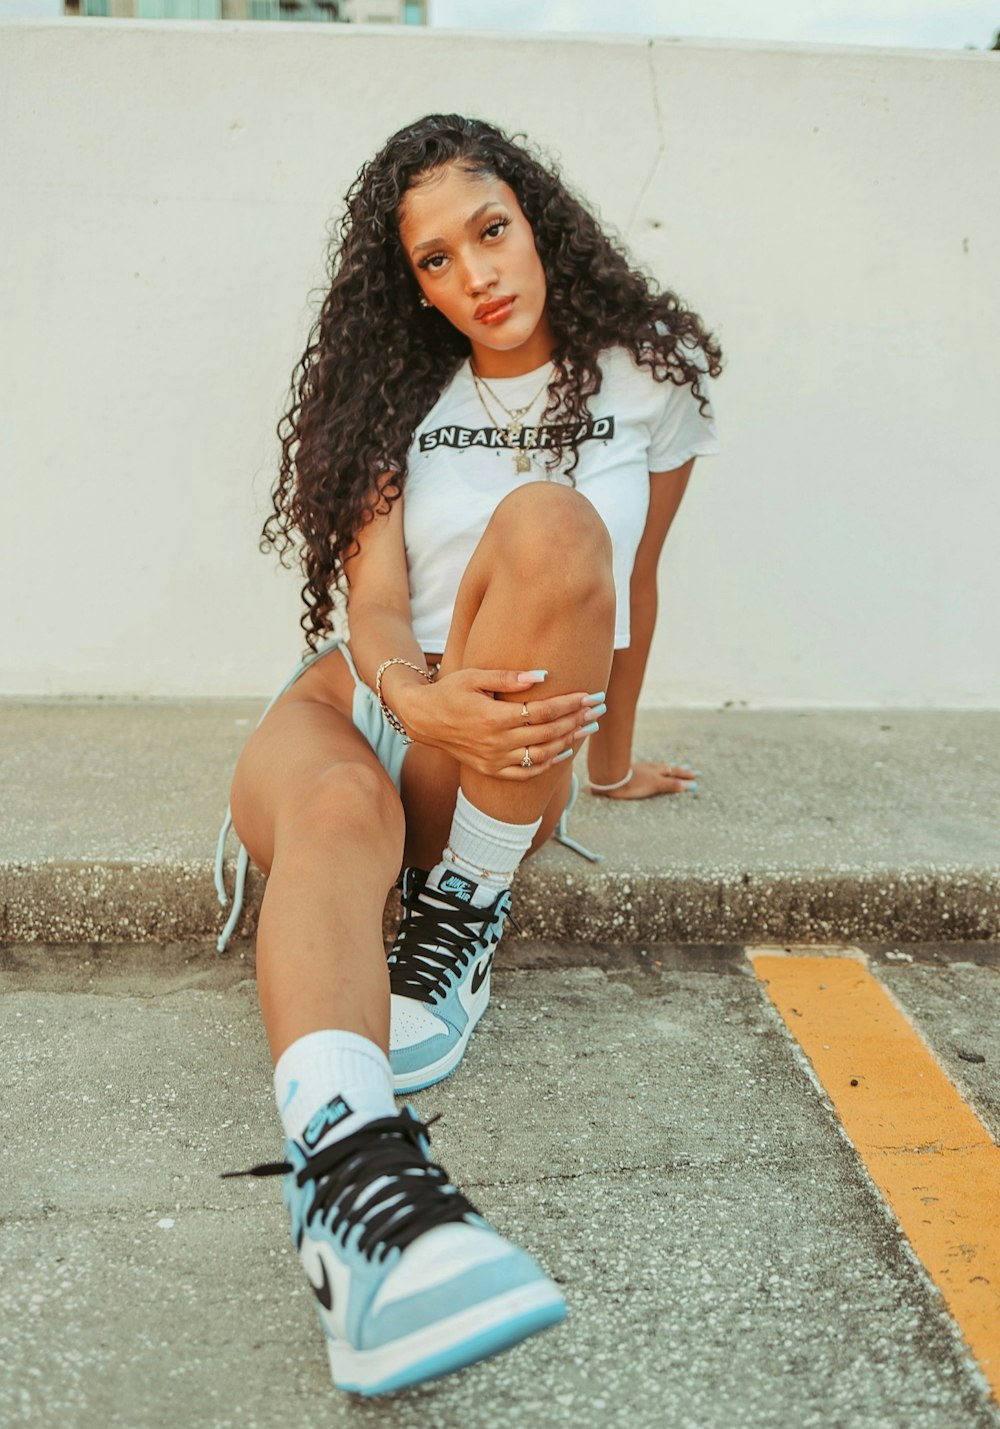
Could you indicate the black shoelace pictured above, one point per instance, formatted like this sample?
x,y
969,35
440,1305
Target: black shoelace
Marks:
x,y
432,943
416,1197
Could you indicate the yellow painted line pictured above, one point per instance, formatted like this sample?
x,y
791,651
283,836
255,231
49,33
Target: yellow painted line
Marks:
x,y
927,1152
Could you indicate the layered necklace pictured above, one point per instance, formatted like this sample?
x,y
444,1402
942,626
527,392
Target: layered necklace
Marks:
x,y
514,427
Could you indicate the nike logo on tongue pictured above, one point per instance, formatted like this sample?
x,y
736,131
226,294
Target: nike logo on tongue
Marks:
x,y
461,888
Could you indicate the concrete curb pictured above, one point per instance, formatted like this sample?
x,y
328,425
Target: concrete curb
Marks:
x,y
807,825
115,903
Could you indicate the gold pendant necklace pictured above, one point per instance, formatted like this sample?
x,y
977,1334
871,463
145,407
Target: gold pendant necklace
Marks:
x,y
514,428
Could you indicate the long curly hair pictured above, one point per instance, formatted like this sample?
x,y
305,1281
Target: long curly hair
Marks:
x,y
376,361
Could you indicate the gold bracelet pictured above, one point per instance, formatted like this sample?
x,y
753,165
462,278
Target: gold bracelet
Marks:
x,y
393,719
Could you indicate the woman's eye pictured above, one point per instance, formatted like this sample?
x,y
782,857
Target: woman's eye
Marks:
x,y
434,262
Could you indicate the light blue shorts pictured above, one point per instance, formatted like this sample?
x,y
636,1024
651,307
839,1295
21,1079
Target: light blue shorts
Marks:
x,y
389,748
388,744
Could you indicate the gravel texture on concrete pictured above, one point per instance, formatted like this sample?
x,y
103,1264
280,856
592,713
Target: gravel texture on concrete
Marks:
x,y
953,1005
637,1118
805,824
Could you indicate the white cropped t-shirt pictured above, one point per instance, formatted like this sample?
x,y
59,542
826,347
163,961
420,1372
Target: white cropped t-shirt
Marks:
x,y
459,471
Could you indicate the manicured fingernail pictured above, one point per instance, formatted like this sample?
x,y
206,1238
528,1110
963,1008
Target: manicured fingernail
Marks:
x,y
532,677
566,754
593,699
591,728
685,766
692,786
599,710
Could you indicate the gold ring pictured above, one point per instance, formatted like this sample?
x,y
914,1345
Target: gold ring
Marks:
x,y
526,761
524,714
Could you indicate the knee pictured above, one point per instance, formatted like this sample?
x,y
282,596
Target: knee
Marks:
x,y
347,801
555,532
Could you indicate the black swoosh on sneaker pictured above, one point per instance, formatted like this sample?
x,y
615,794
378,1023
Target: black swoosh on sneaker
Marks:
x,y
324,1292
479,976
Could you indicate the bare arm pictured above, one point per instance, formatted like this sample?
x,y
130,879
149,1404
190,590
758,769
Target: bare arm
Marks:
x,y
609,751
379,604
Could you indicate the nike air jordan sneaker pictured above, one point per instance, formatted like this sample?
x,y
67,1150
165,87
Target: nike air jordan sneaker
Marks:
x,y
411,1283
439,975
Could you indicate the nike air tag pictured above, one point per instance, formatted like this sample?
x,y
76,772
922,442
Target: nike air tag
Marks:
x,y
459,887
322,1121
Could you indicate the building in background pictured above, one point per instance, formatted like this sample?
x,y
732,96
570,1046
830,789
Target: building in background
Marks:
x,y
355,12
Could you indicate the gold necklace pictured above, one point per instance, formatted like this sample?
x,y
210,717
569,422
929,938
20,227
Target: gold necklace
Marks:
x,y
513,430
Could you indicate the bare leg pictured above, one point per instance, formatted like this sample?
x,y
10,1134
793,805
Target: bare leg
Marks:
x,y
320,816
537,594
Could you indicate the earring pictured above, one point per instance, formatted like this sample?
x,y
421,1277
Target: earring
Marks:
x,y
423,302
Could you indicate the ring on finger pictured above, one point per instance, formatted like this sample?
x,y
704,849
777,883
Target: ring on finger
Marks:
x,y
524,714
526,762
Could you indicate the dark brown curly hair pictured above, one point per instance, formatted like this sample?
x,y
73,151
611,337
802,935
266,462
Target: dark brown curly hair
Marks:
x,y
376,361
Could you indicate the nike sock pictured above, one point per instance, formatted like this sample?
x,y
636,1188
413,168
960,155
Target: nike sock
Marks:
x,y
481,856
329,1083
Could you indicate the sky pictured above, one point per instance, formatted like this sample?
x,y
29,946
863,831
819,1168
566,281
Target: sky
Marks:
x,y
924,24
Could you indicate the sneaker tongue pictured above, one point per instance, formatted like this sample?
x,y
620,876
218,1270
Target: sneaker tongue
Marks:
x,y
456,886
324,1120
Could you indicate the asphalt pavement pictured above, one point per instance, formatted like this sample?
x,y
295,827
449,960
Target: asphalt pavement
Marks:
x,y
637,1116
633,1109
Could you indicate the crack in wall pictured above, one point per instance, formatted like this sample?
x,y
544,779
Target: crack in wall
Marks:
x,y
661,144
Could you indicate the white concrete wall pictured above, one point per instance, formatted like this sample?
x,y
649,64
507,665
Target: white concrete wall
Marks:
x,y
833,213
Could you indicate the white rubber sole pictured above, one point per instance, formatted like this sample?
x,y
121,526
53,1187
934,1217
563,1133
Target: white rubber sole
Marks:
x,y
451,1344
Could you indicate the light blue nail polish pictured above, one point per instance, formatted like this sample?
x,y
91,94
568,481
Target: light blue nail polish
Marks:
x,y
588,728
594,699
536,674
599,710
692,786
566,754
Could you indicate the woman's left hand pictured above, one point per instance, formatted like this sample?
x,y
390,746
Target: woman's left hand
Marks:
x,y
649,780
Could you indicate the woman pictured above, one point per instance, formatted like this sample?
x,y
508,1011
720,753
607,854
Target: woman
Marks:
x,y
483,398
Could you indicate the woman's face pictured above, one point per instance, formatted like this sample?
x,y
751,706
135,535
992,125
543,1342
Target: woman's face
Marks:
x,y
473,254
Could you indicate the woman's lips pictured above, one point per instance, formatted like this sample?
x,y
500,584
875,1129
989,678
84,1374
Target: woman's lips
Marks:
x,y
494,312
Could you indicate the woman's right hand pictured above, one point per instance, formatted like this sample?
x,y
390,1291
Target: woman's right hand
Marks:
x,y
458,713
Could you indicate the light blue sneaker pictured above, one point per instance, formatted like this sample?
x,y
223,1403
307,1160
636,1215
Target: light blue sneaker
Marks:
x,y
411,1283
439,976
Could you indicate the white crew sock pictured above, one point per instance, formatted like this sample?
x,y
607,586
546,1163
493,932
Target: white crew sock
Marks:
x,y
481,856
329,1083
